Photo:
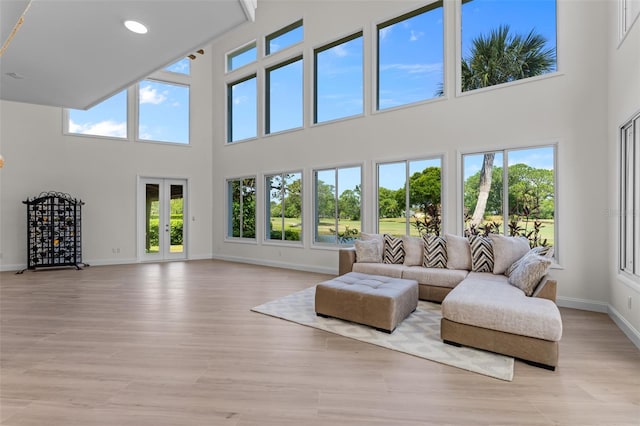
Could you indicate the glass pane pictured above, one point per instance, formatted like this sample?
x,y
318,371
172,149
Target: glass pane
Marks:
x,y
349,204
284,91
339,81
274,223
234,214
108,118
326,206
410,58
241,57
176,220
152,218
531,189
292,203
284,38
425,184
506,40
163,112
243,111
248,208
392,199
483,192
183,66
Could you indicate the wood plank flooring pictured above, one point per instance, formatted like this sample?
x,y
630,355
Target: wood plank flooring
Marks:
x,y
176,344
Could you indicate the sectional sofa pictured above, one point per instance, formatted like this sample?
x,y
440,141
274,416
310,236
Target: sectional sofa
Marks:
x,y
495,292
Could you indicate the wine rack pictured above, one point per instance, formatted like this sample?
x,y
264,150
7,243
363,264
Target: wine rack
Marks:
x,y
54,230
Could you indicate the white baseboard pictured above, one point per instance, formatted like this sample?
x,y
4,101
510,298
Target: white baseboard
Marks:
x,y
582,304
624,325
16,268
297,267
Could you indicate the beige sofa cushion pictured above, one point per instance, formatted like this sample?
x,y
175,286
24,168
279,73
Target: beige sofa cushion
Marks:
x,y
458,252
378,238
387,269
413,250
507,250
439,277
507,309
367,251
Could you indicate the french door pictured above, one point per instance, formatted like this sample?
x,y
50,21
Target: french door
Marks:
x,y
162,219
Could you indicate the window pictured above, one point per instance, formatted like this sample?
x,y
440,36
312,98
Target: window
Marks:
x,y
505,40
242,107
242,56
284,38
511,192
629,198
108,118
410,197
338,90
163,112
284,207
410,57
183,66
241,208
338,205
284,106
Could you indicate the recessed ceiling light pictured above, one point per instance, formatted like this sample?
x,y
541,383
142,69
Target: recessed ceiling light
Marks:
x,y
136,27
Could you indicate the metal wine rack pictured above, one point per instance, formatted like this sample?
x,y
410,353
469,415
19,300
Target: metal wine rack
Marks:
x,y
54,230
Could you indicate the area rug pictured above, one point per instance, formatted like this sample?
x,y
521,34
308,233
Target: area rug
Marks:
x,y
418,334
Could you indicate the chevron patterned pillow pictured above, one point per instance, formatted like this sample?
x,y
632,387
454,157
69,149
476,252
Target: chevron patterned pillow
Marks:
x,y
393,250
435,251
481,254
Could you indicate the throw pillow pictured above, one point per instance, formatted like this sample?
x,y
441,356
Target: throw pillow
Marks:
x,y
458,252
378,238
541,251
367,251
529,272
507,250
435,251
393,250
481,254
413,249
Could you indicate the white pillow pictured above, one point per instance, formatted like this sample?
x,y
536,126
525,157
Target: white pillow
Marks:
x,y
541,251
379,238
367,252
507,250
413,249
458,252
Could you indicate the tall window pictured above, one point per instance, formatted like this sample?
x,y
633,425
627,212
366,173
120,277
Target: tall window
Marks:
x,y
241,204
108,118
339,73
410,197
163,112
283,207
629,197
338,204
242,107
242,56
410,57
506,40
511,192
283,38
284,96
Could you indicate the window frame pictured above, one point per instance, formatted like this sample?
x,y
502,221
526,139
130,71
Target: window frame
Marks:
x,y
629,210
267,210
282,31
267,94
228,57
178,80
229,108
229,209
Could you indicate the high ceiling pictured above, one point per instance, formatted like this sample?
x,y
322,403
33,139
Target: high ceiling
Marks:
x,y
76,53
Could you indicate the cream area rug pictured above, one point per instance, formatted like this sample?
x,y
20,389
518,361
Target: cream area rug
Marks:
x,y
418,334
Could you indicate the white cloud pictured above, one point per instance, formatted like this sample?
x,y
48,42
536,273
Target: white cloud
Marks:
x,y
103,128
413,68
384,32
340,51
150,95
415,35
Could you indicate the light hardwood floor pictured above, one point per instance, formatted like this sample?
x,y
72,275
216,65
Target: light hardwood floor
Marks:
x,y
177,344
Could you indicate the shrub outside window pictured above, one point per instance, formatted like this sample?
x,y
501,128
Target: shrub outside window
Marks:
x,y
283,207
338,205
241,203
410,197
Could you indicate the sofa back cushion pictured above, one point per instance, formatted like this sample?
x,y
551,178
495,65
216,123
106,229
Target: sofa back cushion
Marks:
x,y
435,251
393,250
413,250
458,252
481,254
507,250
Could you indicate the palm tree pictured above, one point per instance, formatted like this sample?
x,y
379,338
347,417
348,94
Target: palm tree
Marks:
x,y
501,57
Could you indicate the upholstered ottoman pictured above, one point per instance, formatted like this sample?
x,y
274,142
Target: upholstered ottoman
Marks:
x,y
374,300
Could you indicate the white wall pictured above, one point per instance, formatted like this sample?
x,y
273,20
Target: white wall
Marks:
x,y
569,109
624,103
101,172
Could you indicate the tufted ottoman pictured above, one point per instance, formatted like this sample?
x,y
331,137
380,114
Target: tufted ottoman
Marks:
x,y
374,300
